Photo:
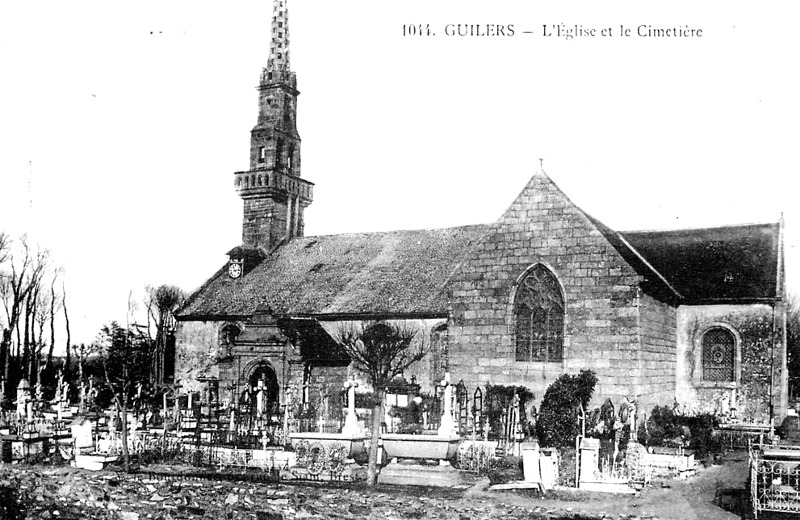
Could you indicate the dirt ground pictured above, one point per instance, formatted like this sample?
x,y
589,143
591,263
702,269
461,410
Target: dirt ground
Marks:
x,y
716,492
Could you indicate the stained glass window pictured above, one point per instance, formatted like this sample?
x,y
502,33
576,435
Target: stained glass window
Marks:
x,y
718,355
539,312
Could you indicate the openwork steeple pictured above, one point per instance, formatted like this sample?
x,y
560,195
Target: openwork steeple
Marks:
x,y
273,191
278,62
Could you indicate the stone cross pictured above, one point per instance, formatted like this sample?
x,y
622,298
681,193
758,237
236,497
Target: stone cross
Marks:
x,y
23,398
351,421
288,399
64,402
260,398
59,386
83,397
447,427
92,393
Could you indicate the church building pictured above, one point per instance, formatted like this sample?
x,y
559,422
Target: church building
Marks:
x,y
694,316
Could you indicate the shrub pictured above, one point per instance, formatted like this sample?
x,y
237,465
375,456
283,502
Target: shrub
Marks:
x,y
559,423
505,470
497,399
703,440
662,426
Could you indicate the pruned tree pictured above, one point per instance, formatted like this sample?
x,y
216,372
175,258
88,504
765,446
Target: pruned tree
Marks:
x,y
380,350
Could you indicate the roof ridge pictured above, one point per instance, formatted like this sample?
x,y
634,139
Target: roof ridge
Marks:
x,y
708,228
392,231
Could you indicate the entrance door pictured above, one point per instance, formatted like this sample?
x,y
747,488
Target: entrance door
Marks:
x,y
264,372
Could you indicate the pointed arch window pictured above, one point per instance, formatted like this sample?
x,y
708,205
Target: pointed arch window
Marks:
x,y
539,316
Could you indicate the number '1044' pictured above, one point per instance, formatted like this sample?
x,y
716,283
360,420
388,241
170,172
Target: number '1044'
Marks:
x,y
418,29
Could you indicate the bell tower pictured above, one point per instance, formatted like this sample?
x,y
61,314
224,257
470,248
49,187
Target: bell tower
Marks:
x,y
273,193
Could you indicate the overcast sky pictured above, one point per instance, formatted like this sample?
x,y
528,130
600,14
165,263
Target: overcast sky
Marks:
x,y
121,123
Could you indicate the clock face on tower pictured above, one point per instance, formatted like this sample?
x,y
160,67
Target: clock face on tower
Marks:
x,y
235,269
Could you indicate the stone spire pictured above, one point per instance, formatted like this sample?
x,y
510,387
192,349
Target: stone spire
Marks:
x,y
272,190
278,62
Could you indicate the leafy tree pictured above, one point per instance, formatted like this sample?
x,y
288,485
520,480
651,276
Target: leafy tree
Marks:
x,y
125,359
380,350
161,303
498,398
559,421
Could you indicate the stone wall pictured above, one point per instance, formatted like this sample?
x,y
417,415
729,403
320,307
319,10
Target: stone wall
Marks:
x,y
760,363
657,328
263,221
601,295
199,354
325,386
196,353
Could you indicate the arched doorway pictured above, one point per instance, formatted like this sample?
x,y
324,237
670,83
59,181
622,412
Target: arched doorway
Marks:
x,y
263,371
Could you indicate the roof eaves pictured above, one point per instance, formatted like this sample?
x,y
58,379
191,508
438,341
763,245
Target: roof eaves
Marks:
x,y
731,301
648,264
192,297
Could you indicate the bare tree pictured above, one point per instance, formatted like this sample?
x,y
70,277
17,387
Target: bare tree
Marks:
x,y
5,342
40,319
67,362
82,353
55,304
5,242
380,350
25,268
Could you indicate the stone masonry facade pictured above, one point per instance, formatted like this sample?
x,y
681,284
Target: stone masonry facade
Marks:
x,y
610,325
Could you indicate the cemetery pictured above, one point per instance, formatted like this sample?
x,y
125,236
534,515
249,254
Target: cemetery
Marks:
x,y
460,440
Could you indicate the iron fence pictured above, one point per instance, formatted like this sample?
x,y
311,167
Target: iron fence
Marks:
x,y
774,479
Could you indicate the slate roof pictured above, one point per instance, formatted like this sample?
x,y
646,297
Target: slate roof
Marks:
x,y
733,263
654,281
388,273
